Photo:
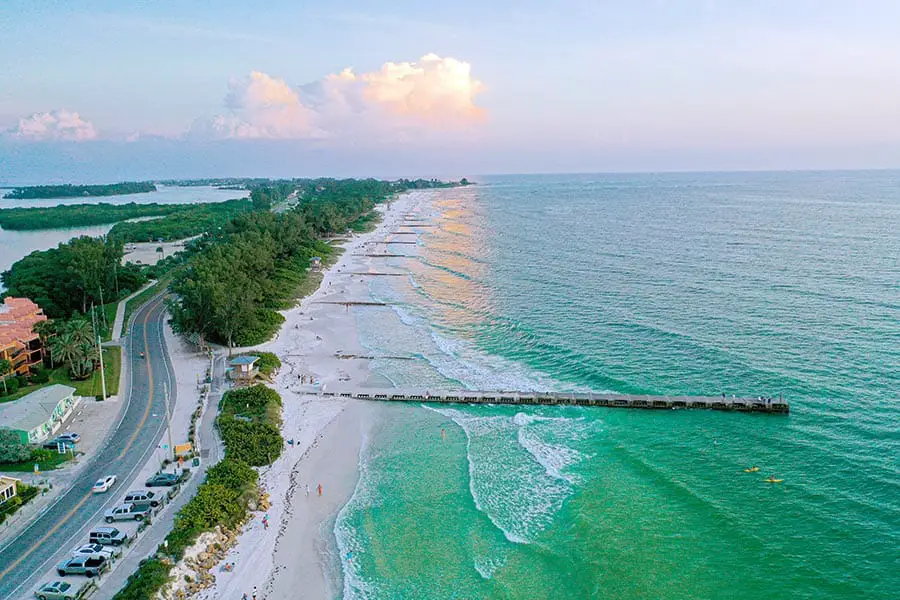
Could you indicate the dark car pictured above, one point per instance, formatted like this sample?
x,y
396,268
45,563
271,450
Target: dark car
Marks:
x,y
162,479
53,443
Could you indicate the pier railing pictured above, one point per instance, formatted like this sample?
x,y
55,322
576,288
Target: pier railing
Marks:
x,y
725,403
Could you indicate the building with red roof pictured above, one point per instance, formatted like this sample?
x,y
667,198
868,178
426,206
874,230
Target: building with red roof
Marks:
x,y
19,344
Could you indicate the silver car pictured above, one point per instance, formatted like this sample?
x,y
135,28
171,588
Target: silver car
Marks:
x,y
57,590
92,550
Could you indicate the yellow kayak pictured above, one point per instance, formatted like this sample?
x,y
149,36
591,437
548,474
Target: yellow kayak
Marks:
x,y
751,470
770,480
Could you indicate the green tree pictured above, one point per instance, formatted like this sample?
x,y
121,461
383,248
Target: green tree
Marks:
x,y
45,330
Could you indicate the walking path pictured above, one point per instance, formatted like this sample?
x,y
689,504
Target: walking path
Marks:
x,y
211,452
119,322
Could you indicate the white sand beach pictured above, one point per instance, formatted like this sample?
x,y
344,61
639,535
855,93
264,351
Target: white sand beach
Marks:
x,y
293,556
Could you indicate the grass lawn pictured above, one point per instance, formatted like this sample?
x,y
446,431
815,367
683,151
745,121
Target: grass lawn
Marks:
x,y
112,363
139,300
28,466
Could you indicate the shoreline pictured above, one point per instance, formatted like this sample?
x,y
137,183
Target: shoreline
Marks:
x,y
327,435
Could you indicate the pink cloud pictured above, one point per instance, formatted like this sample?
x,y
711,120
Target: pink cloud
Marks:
x,y
58,125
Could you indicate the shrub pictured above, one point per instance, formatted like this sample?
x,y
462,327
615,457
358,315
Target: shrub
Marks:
x,y
145,582
250,401
40,375
11,449
12,386
253,442
40,455
268,362
232,473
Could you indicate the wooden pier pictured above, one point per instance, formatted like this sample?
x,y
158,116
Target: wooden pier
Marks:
x,y
723,403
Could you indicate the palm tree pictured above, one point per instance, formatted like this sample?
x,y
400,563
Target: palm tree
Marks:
x,y
45,330
81,355
64,348
80,329
5,367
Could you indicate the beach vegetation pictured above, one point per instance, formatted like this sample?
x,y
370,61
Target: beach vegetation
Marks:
x,y
75,191
268,362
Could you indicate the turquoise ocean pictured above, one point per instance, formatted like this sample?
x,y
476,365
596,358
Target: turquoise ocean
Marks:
x,y
747,284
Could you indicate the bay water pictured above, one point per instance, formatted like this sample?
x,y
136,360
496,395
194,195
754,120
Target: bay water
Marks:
x,y
746,284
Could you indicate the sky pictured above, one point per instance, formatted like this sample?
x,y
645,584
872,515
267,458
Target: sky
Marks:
x,y
97,91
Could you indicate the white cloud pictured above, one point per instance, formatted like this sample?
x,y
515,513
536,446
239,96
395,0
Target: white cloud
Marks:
x,y
58,125
261,107
433,94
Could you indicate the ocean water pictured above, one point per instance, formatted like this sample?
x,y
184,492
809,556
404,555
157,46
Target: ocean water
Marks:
x,y
747,284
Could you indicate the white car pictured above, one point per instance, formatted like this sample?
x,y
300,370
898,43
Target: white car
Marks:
x,y
104,484
91,550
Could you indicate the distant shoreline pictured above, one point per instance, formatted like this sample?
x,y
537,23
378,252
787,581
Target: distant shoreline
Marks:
x,y
49,192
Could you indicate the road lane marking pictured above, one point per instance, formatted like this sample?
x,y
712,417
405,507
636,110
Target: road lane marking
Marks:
x,y
68,515
140,426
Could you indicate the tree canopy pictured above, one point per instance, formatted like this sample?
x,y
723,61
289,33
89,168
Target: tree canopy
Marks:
x,y
69,278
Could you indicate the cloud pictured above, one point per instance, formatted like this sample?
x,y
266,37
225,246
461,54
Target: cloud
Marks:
x,y
260,107
56,125
433,94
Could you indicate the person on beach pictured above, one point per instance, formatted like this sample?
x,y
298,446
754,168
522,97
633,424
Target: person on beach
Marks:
x,y
320,490
307,490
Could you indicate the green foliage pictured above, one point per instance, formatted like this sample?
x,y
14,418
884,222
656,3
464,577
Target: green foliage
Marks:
x,y
72,276
40,455
188,221
10,386
40,375
81,215
255,443
74,346
232,474
248,423
74,191
144,583
268,362
251,401
11,449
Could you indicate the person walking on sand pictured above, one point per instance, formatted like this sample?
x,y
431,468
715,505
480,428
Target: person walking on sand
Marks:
x,y
320,490
307,490
265,521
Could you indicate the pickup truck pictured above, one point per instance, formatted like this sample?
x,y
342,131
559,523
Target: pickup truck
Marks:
x,y
82,565
127,512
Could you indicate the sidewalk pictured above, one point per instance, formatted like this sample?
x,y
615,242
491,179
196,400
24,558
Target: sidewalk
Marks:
x,y
211,451
119,322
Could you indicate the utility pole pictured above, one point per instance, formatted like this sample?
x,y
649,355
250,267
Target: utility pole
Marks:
x,y
102,371
168,419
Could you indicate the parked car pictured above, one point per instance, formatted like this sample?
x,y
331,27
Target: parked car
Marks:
x,y
162,479
126,512
57,590
143,498
104,484
107,536
53,443
91,550
82,565
69,436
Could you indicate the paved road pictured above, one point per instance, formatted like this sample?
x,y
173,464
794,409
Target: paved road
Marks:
x,y
212,451
66,523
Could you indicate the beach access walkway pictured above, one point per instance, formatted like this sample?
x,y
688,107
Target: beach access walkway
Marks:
x,y
725,403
